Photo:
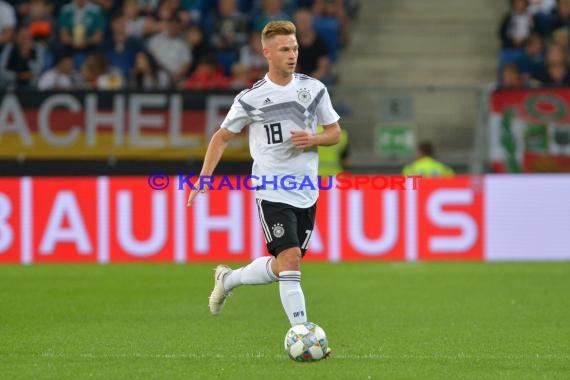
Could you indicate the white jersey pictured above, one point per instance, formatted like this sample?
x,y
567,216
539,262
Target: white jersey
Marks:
x,y
272,112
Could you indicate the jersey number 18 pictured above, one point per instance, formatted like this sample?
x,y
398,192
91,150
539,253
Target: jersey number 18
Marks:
x,y
274,134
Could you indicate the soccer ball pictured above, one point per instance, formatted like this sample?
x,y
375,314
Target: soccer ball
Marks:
x,y
306,342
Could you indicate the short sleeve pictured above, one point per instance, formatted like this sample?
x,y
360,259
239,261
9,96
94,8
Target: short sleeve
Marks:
x,y
325,111
237,118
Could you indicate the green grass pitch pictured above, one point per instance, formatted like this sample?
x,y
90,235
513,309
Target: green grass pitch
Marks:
x,y
384,321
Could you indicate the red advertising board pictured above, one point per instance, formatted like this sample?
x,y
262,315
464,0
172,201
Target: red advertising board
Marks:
x,y
139,226
11,220
64,220
372,224
450,219
121,219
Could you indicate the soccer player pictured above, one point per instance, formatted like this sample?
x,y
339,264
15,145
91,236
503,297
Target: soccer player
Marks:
x,y
282,111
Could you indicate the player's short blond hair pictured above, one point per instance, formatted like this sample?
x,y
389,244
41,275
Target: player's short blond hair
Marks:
x,y
277,28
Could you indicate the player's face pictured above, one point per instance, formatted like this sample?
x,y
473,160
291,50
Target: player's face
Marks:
x,y
281,53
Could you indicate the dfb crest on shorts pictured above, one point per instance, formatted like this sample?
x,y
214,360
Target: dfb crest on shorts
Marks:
x,y
278,230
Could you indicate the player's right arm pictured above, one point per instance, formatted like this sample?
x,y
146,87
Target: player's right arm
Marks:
x,y
216,148
236,119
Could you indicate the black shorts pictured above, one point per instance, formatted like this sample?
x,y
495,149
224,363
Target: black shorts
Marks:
x,y
285,226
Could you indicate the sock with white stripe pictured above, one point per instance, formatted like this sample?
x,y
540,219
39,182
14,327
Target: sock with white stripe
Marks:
x,y
255,273
292,296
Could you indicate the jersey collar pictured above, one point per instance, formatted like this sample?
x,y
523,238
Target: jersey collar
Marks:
x,y
278,86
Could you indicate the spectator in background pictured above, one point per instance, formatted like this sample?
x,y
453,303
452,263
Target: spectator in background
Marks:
x,y
531,62
561,16
511,78
255,7
554,56
313,51
22,60
195,8
146,75
62,77
541,6
7,23
542,11
240,77
23,8
82,26
39,20
307,4
170,51
148,8
228,33
517,25
561,38
97,74
121,50
137,25
251,57
229,27
425,165
207,76
106,5
271,10
334,9
200,48
169,9
556,75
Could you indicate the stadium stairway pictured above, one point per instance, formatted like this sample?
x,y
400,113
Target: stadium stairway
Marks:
x,y
440,50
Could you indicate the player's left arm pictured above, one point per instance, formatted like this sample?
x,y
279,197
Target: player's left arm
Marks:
x,y
329,136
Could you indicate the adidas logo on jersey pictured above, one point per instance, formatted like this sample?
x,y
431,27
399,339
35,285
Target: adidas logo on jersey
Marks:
x,y
267,101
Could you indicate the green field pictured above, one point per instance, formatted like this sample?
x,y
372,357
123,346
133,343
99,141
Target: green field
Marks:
x,y
384,321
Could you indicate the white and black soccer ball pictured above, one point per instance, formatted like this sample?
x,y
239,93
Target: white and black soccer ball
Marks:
x,y
306,342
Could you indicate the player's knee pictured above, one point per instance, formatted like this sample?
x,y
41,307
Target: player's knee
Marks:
x,y
290,259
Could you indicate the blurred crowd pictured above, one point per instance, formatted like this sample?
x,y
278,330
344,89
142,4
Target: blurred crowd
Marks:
x,y
159,44
535,44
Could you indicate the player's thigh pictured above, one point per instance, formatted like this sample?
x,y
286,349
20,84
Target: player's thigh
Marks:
x,y
279,225
305,225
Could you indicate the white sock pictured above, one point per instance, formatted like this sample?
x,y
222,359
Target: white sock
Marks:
x,y
292,296
255,273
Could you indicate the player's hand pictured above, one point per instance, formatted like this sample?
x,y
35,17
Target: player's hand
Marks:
x,y
194,193
302,139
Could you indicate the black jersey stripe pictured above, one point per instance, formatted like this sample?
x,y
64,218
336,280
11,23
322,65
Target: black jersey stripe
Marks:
x,y
303,76
256,85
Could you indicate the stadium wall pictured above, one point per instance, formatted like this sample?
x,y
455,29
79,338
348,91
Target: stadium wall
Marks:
x,y
122,219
